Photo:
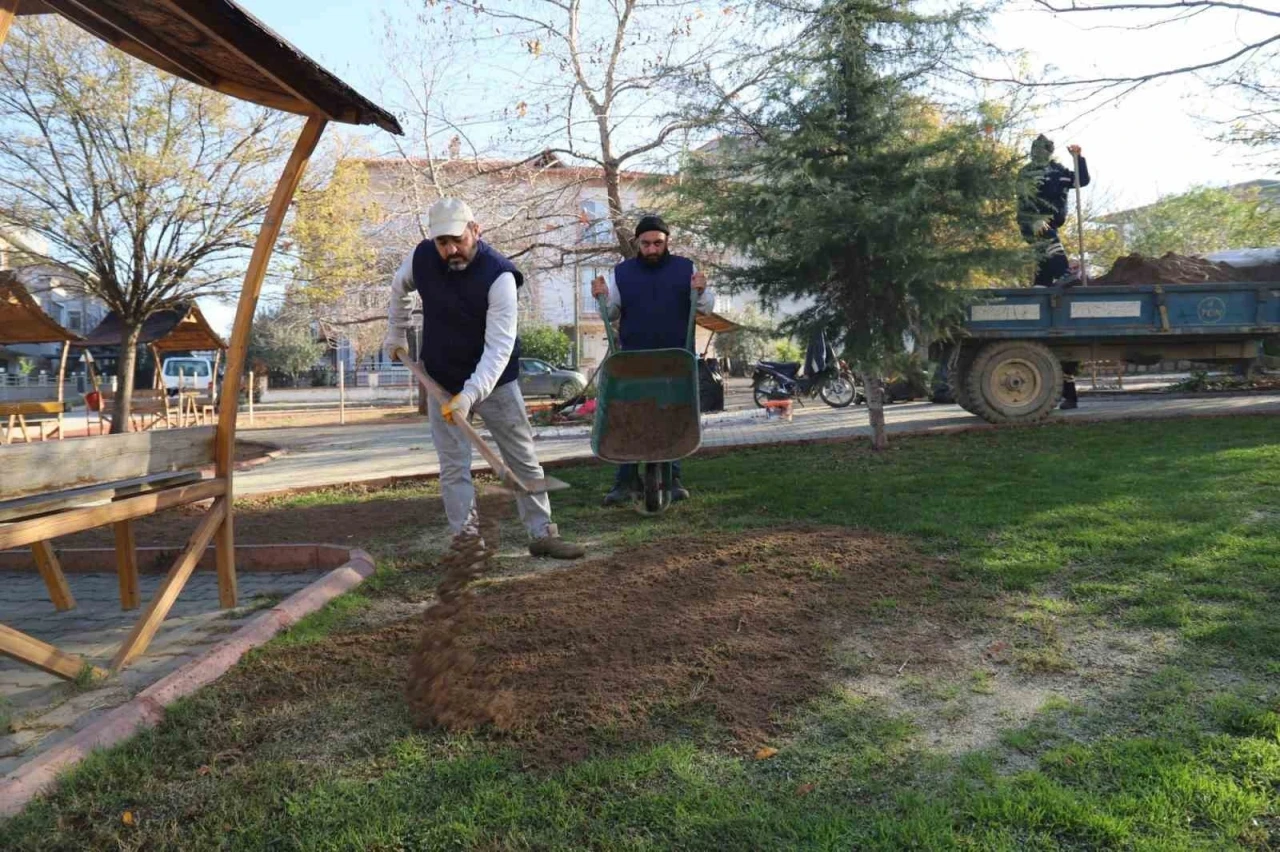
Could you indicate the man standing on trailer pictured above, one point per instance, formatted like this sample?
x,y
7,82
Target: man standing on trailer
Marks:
x,y
470,347
1042,210
650,297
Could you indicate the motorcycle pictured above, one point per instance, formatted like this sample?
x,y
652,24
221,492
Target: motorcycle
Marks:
x,y
835,385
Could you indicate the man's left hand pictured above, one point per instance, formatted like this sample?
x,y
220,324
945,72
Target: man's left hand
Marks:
x,y
456,410
699,281
1074,150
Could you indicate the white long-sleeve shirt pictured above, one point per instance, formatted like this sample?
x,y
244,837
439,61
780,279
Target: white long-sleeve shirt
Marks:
x,y
706,299
499,327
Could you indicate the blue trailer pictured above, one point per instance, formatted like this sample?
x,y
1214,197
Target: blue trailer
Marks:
x,y
1007,365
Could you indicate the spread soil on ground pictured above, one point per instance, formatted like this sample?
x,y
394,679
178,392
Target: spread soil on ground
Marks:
x,y
641,430
733,628
1173,268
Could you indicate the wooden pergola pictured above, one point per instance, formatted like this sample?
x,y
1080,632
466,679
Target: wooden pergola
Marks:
x,y
22,320
180,329
58,488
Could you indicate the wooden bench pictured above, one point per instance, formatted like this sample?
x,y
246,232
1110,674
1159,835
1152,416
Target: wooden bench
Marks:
x,y
146,402
40,412
50,490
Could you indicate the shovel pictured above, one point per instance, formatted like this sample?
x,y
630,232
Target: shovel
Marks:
x,y
504,473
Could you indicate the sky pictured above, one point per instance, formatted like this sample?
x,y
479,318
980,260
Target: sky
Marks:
x,y
1156,141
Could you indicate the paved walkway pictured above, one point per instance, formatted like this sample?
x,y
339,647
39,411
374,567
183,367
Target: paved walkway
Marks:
x,y
319,456
38,710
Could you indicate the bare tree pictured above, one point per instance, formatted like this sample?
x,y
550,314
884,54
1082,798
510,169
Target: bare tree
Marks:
x,y
1247,68
145,186
617,86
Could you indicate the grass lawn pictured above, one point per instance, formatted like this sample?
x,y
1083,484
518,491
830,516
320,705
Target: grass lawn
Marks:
x,y
1102,674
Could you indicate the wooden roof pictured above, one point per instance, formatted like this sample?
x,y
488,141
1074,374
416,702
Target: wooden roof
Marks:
x,y
21,318
181,329
218,45
716,324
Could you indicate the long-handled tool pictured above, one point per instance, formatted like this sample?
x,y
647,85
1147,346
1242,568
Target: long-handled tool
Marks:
x,y
1084,273
504,473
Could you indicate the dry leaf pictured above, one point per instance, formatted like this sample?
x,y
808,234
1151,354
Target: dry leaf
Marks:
x,y
127,817
203,770
804,789
766,752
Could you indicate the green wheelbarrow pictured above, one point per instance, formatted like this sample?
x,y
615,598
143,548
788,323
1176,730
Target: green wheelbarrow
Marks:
x,y
647,410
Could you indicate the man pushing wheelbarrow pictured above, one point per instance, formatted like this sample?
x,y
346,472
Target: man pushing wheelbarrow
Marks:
x,y
648,417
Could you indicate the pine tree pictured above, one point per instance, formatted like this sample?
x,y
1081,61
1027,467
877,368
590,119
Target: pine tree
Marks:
x,y
854,192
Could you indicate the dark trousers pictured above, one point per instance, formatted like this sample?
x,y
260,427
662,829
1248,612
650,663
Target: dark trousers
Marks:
x,y
628,475
1069,380
1051,256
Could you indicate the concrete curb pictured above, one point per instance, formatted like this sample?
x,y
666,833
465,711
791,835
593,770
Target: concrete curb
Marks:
x,y
146,710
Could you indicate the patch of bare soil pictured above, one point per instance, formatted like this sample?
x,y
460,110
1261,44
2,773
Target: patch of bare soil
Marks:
x,y
738,626
1173,268
643,429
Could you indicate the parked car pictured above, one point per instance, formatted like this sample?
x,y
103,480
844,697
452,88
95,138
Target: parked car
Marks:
x,y
538,378
192,372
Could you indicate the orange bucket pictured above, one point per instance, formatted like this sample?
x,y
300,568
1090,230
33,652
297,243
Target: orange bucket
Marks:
x,y
778,409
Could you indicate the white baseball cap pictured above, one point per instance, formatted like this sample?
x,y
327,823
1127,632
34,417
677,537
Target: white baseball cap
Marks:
x,y
448,217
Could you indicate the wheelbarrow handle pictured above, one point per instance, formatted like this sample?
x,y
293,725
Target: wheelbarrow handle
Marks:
x,y
603,304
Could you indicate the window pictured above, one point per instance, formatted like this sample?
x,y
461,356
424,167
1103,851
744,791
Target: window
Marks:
x,y
534,366
75,321
599,228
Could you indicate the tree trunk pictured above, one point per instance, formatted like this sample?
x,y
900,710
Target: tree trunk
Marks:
x,y
875,410
128,363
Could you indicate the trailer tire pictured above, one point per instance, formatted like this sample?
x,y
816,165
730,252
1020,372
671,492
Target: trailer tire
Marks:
x,y
1014,381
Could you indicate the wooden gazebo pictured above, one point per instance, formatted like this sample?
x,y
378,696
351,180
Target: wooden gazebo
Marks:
x,y
180,329
23,321
54,489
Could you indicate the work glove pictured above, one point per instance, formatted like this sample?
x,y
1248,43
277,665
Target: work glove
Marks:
x,y
392,343
456,410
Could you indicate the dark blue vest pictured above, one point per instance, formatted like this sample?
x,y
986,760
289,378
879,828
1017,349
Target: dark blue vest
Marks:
x,y
454,308
655,303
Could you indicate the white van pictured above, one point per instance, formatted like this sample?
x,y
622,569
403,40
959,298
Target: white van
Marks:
x,y
191,372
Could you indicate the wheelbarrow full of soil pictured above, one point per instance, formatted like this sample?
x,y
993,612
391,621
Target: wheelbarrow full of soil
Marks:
x,y
647,411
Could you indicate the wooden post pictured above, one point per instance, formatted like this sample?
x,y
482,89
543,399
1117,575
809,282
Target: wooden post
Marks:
x,y
225,441
342,394
145,630
252,385
51,572
62,378
8,8
127,565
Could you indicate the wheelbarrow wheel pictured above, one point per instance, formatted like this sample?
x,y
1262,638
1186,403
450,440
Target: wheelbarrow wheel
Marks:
x,y
652,488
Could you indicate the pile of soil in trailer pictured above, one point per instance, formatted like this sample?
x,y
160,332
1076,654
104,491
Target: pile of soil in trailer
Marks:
x,y
735,627
643,430
1135,269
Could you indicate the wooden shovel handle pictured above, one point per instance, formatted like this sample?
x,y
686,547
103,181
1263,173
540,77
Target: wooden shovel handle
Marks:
x,y
442,396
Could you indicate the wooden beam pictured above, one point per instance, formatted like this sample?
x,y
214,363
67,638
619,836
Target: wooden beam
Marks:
x,y
51,572
41,468
127,565
42,655
102,22
201,15
8,8
229,396
22,533
145,630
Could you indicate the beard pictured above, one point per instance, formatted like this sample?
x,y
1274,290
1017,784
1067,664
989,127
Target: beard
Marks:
x,y
655,259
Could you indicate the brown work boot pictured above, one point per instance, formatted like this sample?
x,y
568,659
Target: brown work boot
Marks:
x,y
554,546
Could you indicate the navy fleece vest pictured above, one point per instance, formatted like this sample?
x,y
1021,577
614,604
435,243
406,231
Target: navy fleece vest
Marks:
x,y
655,303
454,307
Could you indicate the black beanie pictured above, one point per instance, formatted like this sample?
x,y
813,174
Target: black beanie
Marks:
x,y
651,223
